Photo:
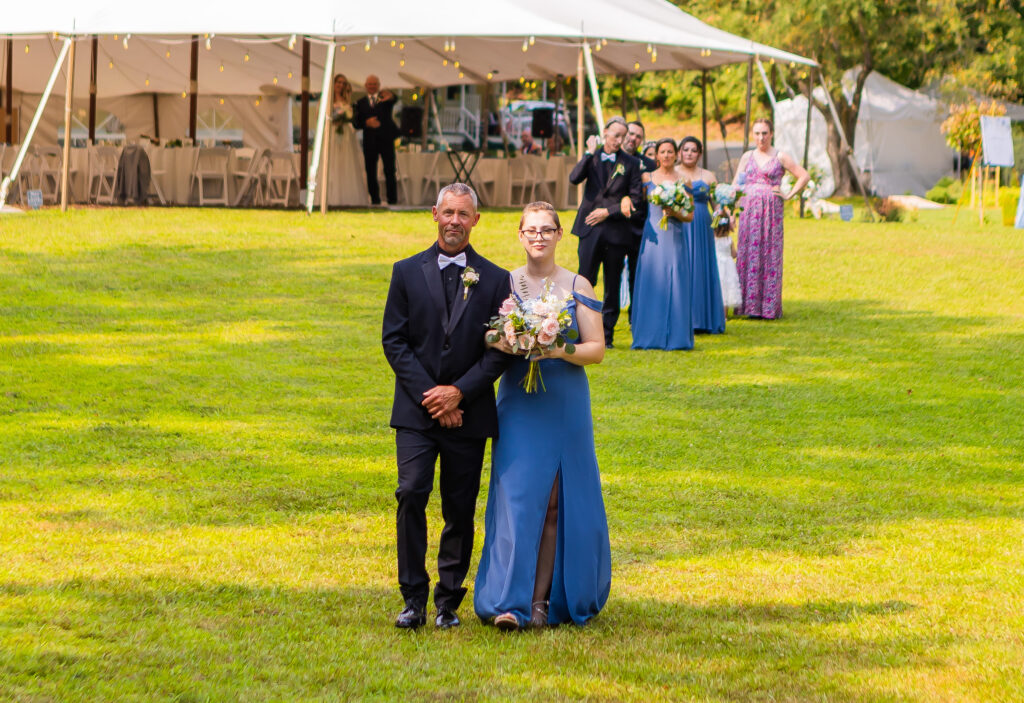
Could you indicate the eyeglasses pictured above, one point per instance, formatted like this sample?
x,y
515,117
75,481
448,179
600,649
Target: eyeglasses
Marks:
x,y
535,234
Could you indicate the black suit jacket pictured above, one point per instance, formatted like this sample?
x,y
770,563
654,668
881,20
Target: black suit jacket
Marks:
x,y
383,110
426,347
606,189
640,214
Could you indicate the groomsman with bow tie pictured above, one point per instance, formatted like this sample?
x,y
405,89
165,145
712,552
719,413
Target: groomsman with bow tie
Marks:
x,y
373,114
606,235
632,144
438,306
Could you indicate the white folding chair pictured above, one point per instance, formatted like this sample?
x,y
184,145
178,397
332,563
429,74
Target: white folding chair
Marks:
x,y
48,172
280,178
546,173
521,176
250,189
102,173
439,173
210,166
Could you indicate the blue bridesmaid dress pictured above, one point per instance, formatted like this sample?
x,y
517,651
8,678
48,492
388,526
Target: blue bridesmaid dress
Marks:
x,y
706,291
542,436
661,295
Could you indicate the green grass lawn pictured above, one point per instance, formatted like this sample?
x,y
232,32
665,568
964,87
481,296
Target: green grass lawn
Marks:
x,y
197,476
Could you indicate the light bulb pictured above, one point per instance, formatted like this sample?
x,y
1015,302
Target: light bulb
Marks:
x,y
526,44
221,69
456,64
222,101
291,42
209,44
289,74
444,62
110,65
246,56
147,81
124,42
275,80
167,53
26,48
401,62
490,75
636,66
532,40
393,43
367,47
401,45
461,74
415,97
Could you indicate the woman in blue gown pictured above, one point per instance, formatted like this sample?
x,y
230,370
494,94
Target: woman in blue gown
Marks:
x,y
706,290
661,295
546,558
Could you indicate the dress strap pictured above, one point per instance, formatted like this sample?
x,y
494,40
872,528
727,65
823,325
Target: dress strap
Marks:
x,y
594,305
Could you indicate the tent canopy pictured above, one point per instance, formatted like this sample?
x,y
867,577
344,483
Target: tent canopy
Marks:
x,y
408,43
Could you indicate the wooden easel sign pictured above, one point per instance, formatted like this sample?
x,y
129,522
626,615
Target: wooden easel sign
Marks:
x,y
997,152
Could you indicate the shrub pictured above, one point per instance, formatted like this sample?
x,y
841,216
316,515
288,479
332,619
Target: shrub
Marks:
x,y
889,210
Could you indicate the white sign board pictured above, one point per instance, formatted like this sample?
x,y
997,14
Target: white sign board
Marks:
x,y
996,141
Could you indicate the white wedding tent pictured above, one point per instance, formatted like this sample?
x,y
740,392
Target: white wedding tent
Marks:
x,y
898,144
140,60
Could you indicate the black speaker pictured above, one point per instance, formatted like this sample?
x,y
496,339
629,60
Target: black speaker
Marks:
x,y
543,126
411,122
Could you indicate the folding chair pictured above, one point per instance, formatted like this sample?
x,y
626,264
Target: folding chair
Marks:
x,y
280,178
102,173
210,166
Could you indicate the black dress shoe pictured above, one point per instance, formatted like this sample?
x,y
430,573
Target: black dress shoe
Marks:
x,y
609,345
446,618
411,618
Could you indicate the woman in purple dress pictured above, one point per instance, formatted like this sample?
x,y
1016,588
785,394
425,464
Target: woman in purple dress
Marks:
x,y
759,254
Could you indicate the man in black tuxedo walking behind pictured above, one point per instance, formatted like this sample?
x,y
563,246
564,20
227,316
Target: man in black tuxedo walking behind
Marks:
x,y
606,235
373,115
438,306
632,144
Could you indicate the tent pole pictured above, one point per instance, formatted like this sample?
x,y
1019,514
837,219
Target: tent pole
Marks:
x,y
581,98
304,119
721,126
10,91
807,142
156,117
594,93
767,85
746,121
501,117
425,122
704,114
65,166
560,97
842,138
485,111
92,91
328,141
193,87
321,121
5,187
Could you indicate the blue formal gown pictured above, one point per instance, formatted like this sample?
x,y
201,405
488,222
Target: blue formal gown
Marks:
x,y
661,295
706,290
540,436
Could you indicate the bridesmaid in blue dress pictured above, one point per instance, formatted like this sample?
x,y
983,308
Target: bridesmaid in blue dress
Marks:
x,y
661,307
546,558
706,296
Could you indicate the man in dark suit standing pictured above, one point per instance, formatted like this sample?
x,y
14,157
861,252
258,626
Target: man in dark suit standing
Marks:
x,y
438,306
606,235
373,115
632,145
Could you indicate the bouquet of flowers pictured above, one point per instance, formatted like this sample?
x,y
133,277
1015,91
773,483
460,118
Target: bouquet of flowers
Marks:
x,y
726,196
341,115
533,326
672,196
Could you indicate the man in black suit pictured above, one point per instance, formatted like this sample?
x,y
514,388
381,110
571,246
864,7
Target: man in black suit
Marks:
x,y
606,235
433,337
373,115
632,145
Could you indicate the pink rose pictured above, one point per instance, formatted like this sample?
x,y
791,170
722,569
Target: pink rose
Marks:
x,y
526,341
545,338
549,327
507,306
541,308
510,333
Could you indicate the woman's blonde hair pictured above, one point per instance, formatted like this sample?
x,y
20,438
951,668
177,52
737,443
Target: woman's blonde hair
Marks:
x,y
540,206
346,92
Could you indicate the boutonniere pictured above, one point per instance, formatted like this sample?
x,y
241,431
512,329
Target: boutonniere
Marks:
x,y
469,278
619,170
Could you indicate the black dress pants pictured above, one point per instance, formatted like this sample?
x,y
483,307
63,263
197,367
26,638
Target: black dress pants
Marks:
x,y
461,462
595,253
385,151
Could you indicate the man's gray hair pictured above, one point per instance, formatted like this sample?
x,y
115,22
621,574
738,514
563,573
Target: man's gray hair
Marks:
x,y
616,120
458,189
